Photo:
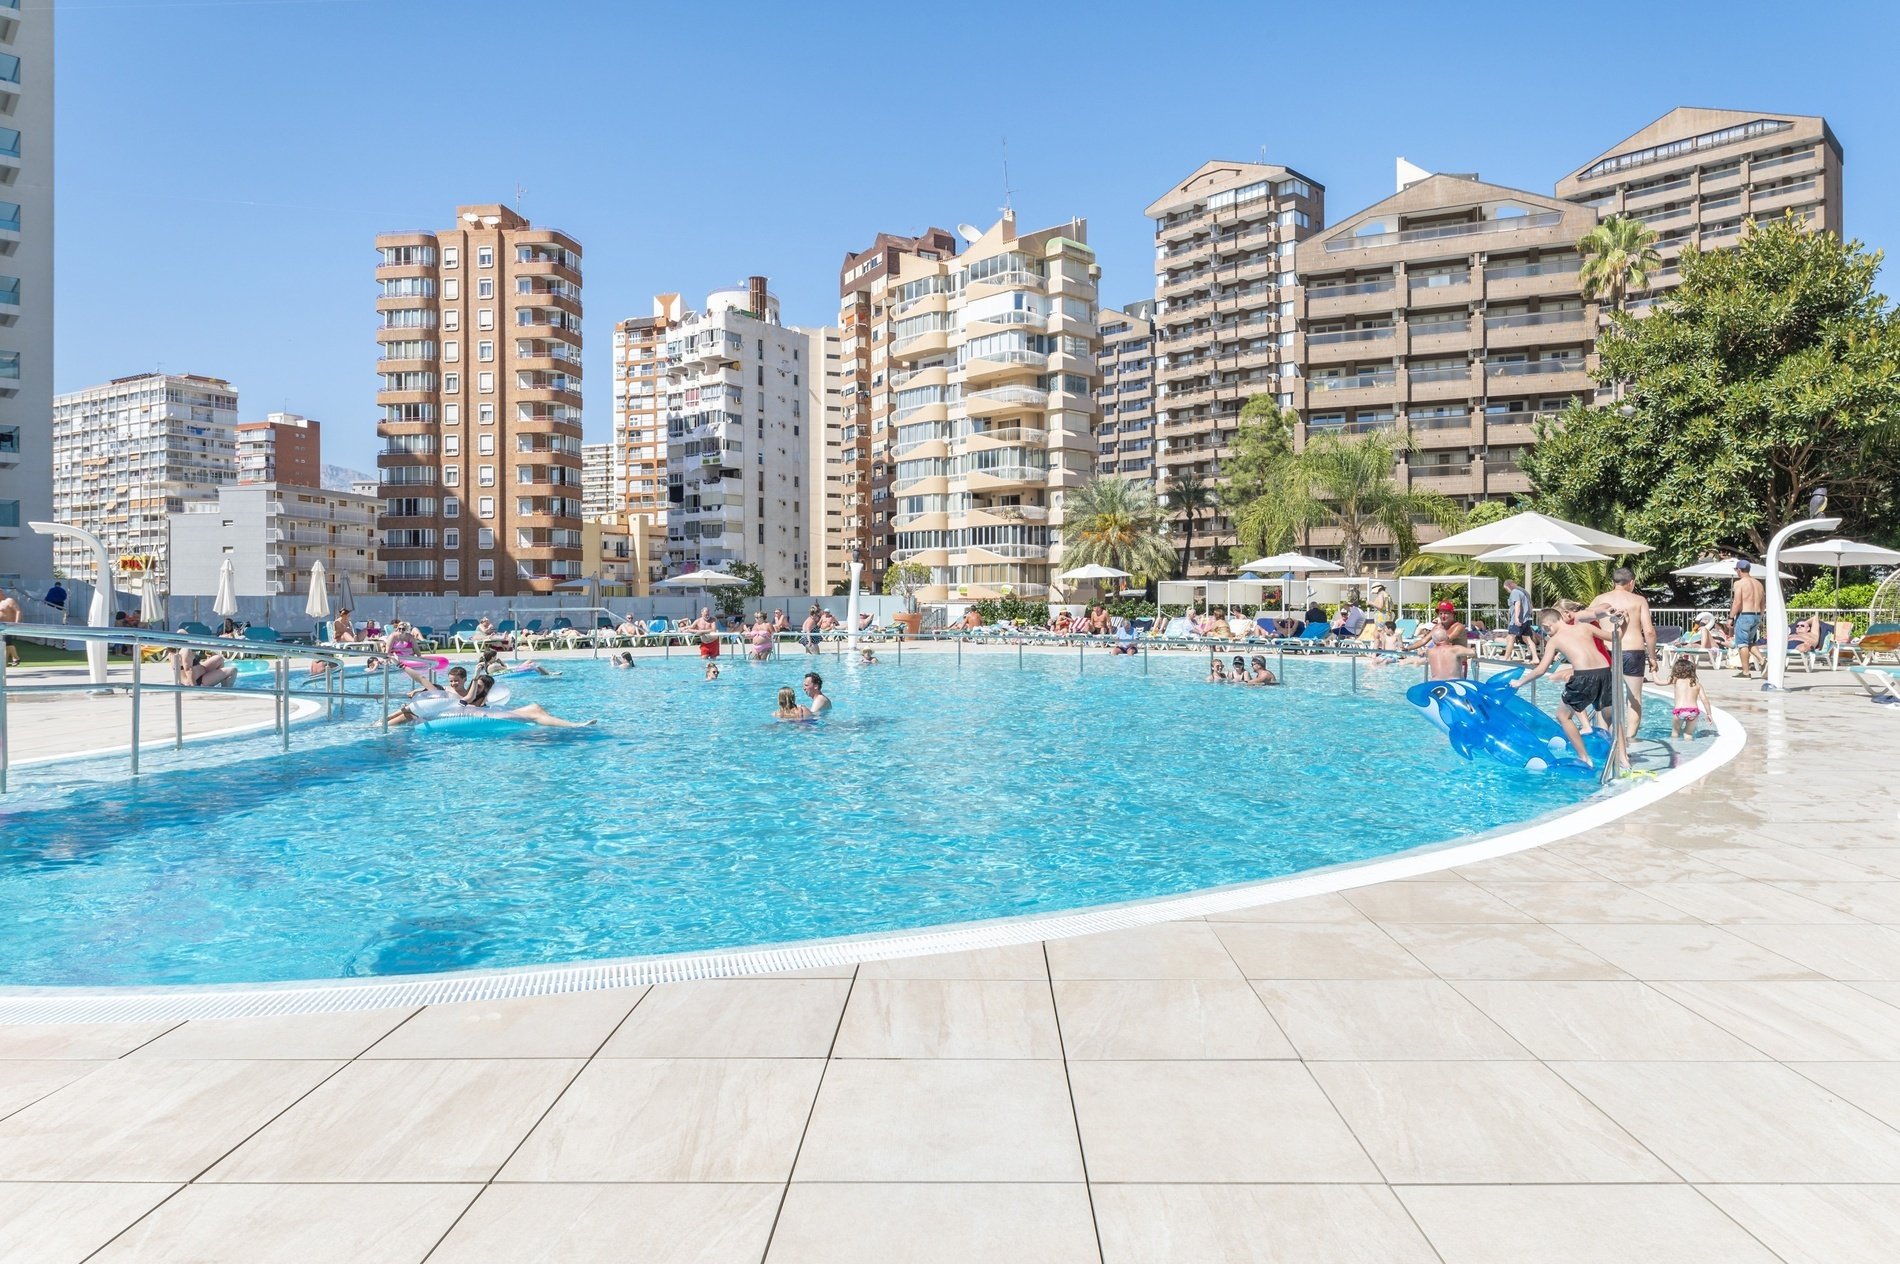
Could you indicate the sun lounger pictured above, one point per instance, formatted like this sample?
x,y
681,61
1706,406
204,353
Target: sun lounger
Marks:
x,y
1880,685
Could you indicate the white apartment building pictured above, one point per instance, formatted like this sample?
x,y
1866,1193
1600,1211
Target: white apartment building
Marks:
x,y
737,438
992,370
129,454
602,479
26,290
273,534
828,478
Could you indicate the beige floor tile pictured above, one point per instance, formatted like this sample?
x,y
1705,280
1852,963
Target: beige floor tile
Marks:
x,y
1817,1224
1168,950
1352,951
1584,902
1256,1224
733,1018
1739,1121
44,1223
1480,1123
673,1119
1578,1224
566,1025
1011,961
1872,1086
1462,903
1739,903
1643,863
950,1018
311,1224
934,1224
1308,908
442,1120
23,1083
1868,900
1775,864
937,1119
334,1036
1684,953
1166,1018
1616,1021
641,1224
1882,863
77,1040
1502,952
1536,864
1815,1022
848,970
1211,1122
1375,1020
1853,953
156,1120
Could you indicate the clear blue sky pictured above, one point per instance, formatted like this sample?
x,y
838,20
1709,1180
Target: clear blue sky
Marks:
x,y
224,164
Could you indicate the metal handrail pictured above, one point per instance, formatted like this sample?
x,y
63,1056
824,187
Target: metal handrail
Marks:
x,y
140,638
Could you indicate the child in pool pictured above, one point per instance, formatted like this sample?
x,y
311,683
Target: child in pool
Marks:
x,y
788,706
1690,704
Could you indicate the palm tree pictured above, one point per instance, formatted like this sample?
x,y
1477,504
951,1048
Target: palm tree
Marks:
x,y
1189,494
1117,523
1345,484
1618,256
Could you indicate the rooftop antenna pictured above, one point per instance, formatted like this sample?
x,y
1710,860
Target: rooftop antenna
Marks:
x,y
519,194
1009,206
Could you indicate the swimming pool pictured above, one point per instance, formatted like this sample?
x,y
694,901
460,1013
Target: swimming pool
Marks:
x,y
938,792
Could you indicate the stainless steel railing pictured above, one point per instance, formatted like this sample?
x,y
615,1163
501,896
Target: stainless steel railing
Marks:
x,y
336,690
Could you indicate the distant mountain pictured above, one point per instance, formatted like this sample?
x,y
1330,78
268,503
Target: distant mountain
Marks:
x,y
337,478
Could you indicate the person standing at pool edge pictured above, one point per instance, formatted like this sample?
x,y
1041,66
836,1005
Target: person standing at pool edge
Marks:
x,y
1637,644
1746,603
10,613
1518,623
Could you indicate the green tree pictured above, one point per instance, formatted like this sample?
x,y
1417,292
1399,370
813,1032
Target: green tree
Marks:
x,y
1774,368
1618,256
903,579
1345,484
732,600
1189,495
1117,523
1262,444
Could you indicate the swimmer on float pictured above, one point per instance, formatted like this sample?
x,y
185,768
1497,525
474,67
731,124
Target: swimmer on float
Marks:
x,y
492,664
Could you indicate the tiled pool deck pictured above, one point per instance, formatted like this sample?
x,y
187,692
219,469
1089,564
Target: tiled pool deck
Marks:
x,y
1677,1039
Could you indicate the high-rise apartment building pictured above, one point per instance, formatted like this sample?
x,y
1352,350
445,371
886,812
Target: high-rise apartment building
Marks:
x,y
992,372
1448,315
1226,292
1125,430
26,290
737,438
864,316
132,452
480,359
273,535
1695,176
826,474
601,479
640,408
282,448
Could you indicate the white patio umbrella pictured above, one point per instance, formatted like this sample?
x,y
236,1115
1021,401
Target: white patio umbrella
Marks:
x,y
318,604
1291,564
1093,571
703,579
224,605
1838,553
1530,528
1721,568
1542,551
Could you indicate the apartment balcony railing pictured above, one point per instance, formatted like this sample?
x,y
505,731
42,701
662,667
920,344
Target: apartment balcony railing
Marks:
x,y
1355,287
1511,271
1357,381
1522,368
1334,337
1351,427
1009,396
1440,232
1448,373
1568,316
1768,164
1458,470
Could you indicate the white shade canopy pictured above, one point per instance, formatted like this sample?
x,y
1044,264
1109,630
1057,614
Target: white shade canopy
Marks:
x,y
1093,572
318,604
1542,551
1838,553
1527,528
703,579
1280,563
1721,568
224,605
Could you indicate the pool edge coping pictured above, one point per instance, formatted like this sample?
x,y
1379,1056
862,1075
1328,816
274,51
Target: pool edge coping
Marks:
x,y
20,1005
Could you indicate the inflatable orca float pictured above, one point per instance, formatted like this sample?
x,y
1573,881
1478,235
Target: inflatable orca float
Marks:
x,y
1489,717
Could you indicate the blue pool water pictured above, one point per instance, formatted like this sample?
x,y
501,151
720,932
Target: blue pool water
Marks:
x,y
688,820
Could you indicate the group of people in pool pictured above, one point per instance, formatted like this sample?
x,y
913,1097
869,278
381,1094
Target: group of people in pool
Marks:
x,y
1244,672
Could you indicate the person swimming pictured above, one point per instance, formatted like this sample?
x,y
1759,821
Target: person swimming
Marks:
x,y
1259,675
788,706
526,713
623,659
1216,672
712,671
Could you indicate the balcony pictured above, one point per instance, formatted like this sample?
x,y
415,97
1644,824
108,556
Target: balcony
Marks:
x,y
1440,289
1531,328
997,476
1545,375
996,364
1367,379
1455,478
1335,346
1004,399
1447,232
1530,280
1450,382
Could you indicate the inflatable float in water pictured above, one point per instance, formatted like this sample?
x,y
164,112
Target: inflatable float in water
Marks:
x,y
1490,718
442,708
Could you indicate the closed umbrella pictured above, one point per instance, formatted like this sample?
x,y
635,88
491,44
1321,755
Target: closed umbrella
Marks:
x,y
151,605
345,599
318,604
1838,553
224,605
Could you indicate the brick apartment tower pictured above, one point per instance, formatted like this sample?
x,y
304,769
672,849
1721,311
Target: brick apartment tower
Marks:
x,y
480,359
866,470
283,448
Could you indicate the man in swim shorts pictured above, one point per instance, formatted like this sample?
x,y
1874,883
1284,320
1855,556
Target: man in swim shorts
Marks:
x,y
1592,685
1637,647
1747,601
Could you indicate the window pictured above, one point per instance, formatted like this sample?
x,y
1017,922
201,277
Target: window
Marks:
x,y
451,414
452,445
485,508
485,288
485,569
451,257
485,476
485,382
451,289
452,538
451,319
451,508
485,539
452,349
485,352
484,256
451,568
451,475
485,318
486,445
485,414
451,382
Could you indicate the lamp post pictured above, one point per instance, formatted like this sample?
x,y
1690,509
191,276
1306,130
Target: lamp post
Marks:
x,y
100,616
1777,646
